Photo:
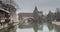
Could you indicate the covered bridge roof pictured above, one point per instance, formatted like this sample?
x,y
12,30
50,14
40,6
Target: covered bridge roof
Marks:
x,y
26,14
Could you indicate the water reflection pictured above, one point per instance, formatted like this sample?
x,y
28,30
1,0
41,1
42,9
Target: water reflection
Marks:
x,y
57,28
25,30
45,28
41,28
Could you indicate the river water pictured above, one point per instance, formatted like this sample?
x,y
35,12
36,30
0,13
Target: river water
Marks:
x,y
44,29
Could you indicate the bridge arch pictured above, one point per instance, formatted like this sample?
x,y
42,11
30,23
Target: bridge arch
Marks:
x,y
28,20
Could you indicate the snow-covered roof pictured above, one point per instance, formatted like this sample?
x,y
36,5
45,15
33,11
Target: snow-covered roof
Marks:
x,y
4,10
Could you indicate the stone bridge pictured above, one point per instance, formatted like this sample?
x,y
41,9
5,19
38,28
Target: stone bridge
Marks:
x,y
24,17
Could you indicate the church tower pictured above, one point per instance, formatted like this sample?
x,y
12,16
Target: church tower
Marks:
x,y
35,10
35,13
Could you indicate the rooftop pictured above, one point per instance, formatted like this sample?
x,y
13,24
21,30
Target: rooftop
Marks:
x,y
4,10
26,14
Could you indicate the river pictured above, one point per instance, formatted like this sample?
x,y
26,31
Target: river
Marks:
x,y
42,28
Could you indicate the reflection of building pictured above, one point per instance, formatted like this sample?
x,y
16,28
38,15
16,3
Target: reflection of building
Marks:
x,y
23,17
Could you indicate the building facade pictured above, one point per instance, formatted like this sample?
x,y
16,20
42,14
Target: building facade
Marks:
x,y
24,17
7,14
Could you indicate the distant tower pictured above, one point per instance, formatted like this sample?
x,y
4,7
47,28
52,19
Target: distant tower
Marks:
x,y
35,13
57,9
35,10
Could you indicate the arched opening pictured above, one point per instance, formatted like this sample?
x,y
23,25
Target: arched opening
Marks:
x,y
30,20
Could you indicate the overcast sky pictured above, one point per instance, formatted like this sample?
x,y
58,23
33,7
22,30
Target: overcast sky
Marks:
x,y
42,5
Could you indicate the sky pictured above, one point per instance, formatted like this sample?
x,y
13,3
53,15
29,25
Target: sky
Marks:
x,y
42,5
